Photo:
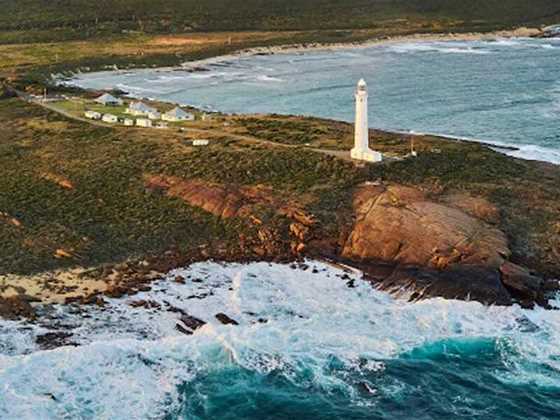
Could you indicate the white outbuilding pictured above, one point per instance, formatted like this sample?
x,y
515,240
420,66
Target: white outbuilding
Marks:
x,y
92,115
128,122
143,122
154,115
177,114
200,142
140,109
110,118
109,100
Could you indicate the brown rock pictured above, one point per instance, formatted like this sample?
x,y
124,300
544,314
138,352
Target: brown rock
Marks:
x,y
192,322
179,279
463,282
520,281
299,231
399,225
226,320
16,307
475,206
53,340
435,249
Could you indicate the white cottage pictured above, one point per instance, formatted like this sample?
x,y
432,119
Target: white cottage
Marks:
x,y
109,100
110,118
128,122
92,115
154,115
140,109
200,142
143,122
177,114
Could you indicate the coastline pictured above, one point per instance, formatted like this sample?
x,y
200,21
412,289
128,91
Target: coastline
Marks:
x,y
88,286
522,32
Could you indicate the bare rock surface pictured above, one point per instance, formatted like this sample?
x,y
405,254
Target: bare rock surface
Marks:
x,y
449,247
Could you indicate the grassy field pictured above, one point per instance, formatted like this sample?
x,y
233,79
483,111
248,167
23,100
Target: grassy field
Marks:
x,y
79,188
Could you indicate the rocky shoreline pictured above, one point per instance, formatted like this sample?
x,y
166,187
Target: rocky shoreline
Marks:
x,y
405,243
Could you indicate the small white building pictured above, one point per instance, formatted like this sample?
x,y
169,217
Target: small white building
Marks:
x,y
128,122
109,100
162,124
92,115
200,142
140,109
154,115
110,118
177,114
143,122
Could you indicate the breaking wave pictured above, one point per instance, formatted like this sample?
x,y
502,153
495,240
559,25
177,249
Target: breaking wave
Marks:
x,y
313,341
446,48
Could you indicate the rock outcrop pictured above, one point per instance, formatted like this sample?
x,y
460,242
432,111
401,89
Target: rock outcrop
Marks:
x,y
450,247
229,201
6,91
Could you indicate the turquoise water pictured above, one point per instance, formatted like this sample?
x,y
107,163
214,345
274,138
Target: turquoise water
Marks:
x,y
501,91
307,346
447,379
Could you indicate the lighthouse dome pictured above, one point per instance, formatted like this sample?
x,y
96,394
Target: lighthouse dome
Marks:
x,y
362,85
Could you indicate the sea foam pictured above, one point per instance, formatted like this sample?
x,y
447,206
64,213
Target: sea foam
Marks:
x,y
292,321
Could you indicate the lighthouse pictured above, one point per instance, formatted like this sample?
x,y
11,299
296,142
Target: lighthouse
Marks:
x,y
361,150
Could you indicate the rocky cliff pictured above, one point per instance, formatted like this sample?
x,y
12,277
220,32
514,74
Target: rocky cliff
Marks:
x,y
405,241
450,247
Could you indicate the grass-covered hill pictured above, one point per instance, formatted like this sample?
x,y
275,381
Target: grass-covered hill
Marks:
x,y
78,19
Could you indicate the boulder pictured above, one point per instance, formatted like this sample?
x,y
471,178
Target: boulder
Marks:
x,y
522,283
449,248
189,324
400,225
226,320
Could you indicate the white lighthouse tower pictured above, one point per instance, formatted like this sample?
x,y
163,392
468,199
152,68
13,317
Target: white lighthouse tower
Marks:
x,y
361,150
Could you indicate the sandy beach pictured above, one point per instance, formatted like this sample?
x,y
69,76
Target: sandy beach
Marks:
x,y
522,32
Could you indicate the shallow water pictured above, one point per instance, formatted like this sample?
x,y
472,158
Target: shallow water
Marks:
x,y
311,343
502,91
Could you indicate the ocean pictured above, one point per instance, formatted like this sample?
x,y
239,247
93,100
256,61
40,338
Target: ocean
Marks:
x,y
313,342
503,91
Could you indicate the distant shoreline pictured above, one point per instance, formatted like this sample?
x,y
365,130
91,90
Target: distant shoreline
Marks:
x,y
295,48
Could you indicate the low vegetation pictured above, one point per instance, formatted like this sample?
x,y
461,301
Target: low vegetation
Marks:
x,y
81,19
74,194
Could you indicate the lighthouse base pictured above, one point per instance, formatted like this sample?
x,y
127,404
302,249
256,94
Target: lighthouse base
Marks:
x,y
366,155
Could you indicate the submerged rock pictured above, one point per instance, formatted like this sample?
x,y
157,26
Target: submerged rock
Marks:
x,y
189,324
53,340
226,320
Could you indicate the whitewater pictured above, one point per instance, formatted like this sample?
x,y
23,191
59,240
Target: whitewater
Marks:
x,y
313,341
502,91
